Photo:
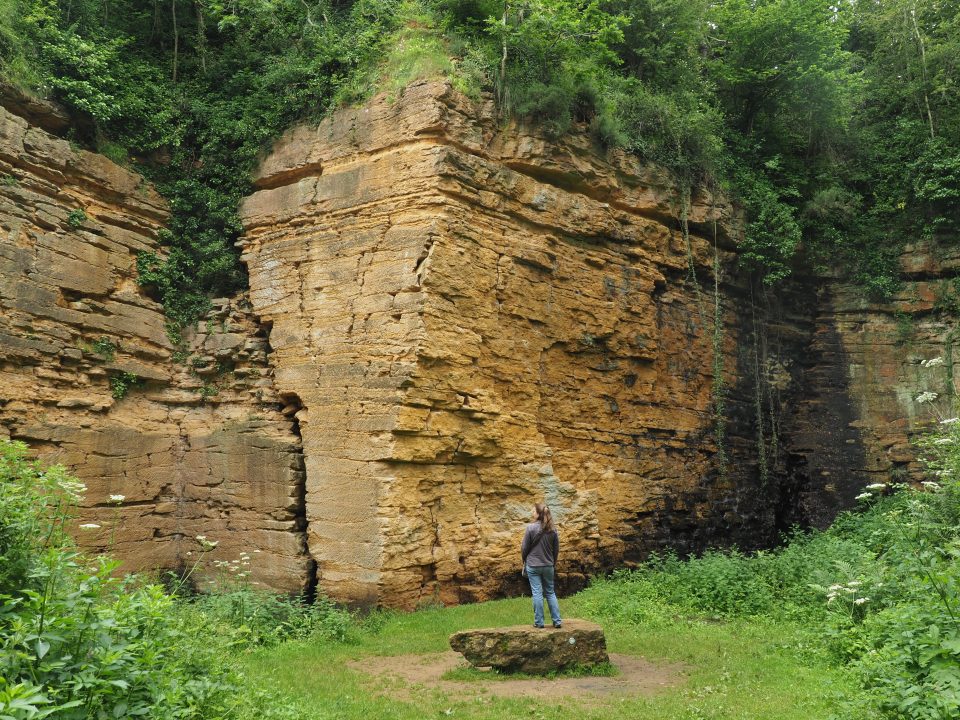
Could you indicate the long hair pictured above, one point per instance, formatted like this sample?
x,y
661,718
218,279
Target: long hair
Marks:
x,y
544,518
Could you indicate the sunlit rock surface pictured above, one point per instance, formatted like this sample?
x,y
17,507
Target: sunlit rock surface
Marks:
x,y
198,445
461,317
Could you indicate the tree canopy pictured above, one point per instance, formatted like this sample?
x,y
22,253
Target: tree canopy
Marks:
x,y
836,125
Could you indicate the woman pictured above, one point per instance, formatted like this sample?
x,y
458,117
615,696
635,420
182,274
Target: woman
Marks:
x,y
539,551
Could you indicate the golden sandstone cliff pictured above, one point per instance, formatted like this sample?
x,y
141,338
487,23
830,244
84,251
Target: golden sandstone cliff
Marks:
x,y
72,318
448,320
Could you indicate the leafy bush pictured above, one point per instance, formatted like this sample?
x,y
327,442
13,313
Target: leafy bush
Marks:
x,y
75,640
254,618
79,642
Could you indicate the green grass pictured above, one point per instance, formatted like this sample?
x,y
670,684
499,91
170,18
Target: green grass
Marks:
x,y
739,669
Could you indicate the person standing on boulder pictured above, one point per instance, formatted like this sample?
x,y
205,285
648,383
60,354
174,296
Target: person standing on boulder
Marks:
x,y
539,552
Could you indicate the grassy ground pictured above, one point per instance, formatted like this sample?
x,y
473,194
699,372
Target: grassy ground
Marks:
x,y
739,669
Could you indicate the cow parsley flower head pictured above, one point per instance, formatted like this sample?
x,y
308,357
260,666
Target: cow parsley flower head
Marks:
x,y
117,498
875,486
89,526
926,397
864,496
206,545
949,421
932,362
73,488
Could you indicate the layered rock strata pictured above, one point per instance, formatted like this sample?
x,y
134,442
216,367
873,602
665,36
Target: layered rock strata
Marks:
x,y
866,365
475,319
192,437
461,318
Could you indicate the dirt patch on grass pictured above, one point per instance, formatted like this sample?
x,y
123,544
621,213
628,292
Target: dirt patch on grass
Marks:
x,y
636,677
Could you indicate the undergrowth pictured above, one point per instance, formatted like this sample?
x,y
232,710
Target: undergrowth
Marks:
x,y
79,641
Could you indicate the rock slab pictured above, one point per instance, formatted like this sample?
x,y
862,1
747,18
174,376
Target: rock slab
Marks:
x,y
524,648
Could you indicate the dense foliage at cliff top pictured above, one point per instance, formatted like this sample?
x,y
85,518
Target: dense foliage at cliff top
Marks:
x,y
837,126
860,621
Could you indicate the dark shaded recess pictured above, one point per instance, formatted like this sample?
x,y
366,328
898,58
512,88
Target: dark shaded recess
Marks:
x,y
825,456
292,404
814,456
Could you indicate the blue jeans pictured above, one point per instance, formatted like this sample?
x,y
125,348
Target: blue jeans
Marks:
x,y
541,580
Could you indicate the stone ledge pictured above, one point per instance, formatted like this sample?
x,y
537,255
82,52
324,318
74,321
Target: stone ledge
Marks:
x,y
524,648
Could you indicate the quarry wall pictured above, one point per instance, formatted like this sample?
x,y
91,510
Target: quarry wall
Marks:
x,y
449,318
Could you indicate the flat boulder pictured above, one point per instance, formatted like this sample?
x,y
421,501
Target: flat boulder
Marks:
x,y
524,648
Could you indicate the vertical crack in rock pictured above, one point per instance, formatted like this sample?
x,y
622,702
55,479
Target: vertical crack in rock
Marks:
x,y
179,485
292,406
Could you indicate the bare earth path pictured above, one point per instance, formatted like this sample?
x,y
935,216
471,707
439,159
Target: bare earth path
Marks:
x,y
638,677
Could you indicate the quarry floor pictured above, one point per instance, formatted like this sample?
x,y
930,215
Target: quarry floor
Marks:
x,y
401,667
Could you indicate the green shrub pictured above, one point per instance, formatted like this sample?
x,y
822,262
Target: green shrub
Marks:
x,y
76,218
75,640
105,348
255,617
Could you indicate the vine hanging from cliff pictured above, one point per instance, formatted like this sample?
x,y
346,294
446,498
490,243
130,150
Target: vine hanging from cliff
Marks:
x,y
718,388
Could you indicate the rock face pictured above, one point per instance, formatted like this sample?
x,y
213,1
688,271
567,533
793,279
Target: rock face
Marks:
x,y
460,318
198,444
474,319
863,370
523,648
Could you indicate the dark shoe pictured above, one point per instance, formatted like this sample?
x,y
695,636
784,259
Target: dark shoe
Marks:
x,y
539,627
557,626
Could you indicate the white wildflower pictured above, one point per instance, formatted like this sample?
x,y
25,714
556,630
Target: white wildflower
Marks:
x,y
834,588
943,441
256,551
932,362
949,421
117,498
73,488
930,485
854,583
926,397
876,486
864,496
89,526
206,545
861,601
